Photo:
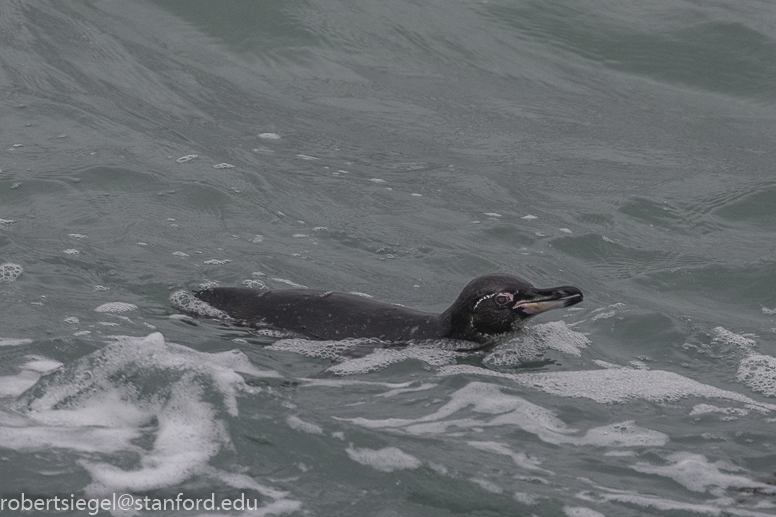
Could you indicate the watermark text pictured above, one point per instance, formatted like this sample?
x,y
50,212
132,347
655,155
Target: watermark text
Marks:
x,y
126,502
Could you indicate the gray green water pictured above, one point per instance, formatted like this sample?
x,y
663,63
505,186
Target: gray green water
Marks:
x,y
397,149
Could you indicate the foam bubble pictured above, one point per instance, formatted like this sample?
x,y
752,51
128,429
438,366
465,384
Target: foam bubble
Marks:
x,y
216,262
759,373
10,272
388,459
724,336
116,307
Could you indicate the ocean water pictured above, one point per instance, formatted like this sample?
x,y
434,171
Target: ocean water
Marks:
x,y
396,149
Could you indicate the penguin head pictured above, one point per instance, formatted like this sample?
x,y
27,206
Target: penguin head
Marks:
x,y
491,307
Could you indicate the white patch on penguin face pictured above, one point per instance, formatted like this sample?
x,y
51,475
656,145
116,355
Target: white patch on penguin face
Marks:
x,y
487,297
501,299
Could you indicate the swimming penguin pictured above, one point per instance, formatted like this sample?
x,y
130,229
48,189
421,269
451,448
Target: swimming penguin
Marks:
x,y
489,309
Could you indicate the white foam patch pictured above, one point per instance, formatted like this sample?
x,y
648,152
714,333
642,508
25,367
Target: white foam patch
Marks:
x,y
661,504
743,341
7,341
269,136
376,358
296,423
521,459
320,349
252,283
533,340
704,409
423,386
86,440
179,398
187,302
9,272
116,307
511,410
482,398
388,459
759,373
362,295
696,473
289,282
15,385
615,385
622,434
524,498
581,511
488,486
769,312
381,358
42,365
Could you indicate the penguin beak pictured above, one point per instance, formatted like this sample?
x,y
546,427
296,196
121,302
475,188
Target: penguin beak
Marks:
x,y
541,300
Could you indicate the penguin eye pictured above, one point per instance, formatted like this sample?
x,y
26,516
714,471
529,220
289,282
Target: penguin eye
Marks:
x,y
503,298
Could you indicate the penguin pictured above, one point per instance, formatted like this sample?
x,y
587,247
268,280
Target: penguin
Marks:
x,y
488,311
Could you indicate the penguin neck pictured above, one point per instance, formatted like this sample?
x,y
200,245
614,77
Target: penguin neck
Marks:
x,y
458,324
